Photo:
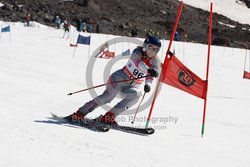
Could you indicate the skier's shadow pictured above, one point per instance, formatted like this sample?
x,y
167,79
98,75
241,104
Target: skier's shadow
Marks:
x,y
56,122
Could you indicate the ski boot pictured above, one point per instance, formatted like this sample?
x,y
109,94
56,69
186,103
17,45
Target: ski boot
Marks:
x,y
76,117
108,118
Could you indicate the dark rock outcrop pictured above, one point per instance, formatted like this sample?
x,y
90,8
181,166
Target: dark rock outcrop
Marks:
x,y
120,17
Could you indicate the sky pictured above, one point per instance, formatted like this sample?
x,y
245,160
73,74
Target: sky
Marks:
x,y
38,70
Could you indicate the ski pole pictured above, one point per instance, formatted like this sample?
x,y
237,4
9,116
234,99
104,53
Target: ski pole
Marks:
x,y
138,108
126,80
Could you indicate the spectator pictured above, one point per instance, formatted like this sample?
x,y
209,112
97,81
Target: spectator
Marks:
x,y
134,32
97,27
79,25
27,19
177,36
57,22
66,27
84,27
90,28
186,36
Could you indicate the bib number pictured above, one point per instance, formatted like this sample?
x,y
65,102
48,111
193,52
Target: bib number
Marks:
x,y
137,74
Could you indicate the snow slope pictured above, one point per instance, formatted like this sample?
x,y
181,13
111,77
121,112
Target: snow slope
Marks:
x,y
233,9
37,71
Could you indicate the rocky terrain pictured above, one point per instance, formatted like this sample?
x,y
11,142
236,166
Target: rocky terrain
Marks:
x,y
121,16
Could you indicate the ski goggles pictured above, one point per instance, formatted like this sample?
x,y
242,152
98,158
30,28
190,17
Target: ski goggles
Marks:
x,y
153,48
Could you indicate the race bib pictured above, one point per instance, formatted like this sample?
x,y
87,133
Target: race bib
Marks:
x,y
134,70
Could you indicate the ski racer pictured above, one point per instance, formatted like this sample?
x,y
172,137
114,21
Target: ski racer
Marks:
x,y
143,62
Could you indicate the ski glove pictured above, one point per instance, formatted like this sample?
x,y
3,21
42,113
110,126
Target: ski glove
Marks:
x,y
153,73
146,88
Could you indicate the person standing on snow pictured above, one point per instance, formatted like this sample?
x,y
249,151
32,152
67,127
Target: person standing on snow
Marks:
x,y
66,27
27,19
79,25
84,27
177,36
97,27
142,63
57,22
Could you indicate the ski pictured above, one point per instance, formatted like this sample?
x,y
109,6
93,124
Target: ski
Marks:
x,y
90,124
127,129
95,125
133,130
